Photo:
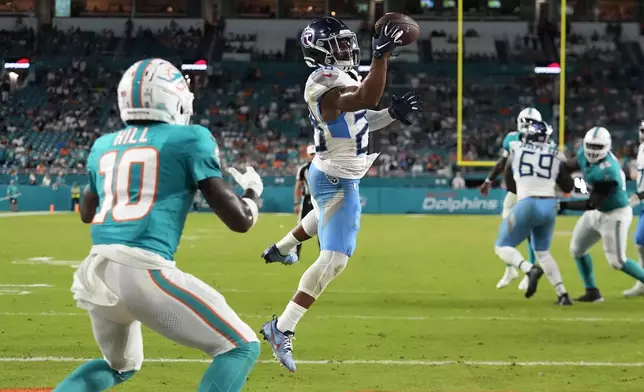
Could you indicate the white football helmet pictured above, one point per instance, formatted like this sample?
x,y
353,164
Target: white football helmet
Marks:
x,y
597,144
642,132
526,117
155,90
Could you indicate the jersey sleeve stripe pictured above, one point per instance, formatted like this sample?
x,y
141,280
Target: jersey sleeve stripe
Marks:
x,y
200,308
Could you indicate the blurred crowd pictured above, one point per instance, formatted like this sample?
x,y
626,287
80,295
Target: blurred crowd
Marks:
x,y
52,115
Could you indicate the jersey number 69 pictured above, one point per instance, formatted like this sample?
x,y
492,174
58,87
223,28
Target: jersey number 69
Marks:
x,y
530,165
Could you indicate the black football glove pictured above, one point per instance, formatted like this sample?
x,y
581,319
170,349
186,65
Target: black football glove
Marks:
x,y
400,108
386,40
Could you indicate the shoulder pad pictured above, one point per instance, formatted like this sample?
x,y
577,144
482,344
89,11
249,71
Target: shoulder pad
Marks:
x,y
324,79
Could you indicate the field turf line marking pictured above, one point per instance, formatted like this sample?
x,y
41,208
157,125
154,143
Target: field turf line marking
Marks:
x,y
384,317
360,362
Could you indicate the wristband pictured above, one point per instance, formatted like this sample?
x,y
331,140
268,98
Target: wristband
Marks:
x,y
254,210
488,181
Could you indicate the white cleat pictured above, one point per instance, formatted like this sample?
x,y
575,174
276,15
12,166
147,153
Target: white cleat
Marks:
x,y
635,291
510,274
523,285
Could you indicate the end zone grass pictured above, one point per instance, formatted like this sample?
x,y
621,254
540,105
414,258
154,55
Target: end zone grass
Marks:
x,y
415,310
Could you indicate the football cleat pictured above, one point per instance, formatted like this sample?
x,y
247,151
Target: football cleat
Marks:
x,y
509,275
281,343
635,291
591,295
533,276
273,255
523,285
564,300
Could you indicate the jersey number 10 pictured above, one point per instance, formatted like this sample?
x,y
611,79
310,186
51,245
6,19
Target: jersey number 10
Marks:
x,y
117,181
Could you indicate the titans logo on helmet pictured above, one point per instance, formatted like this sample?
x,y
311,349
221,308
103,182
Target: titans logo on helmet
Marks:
x,y
307,37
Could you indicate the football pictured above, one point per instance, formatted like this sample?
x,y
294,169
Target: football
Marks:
x,y
407,24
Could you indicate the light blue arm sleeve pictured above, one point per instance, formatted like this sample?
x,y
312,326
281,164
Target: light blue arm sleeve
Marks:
x,y
204,155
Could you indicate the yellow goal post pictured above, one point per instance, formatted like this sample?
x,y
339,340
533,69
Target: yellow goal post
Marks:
x,y
459,87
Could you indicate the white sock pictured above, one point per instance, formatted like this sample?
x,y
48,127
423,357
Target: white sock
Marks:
x,y
310,223
640,253
287,243
291,316
550,267
511,256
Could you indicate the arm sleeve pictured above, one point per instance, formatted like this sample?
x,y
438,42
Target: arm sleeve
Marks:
x,y
203,155
378,119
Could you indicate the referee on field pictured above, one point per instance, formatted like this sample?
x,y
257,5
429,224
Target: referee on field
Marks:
x,y
302,193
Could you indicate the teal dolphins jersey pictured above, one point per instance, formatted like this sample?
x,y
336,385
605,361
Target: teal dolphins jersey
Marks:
x,y
146,178
608,169
508,140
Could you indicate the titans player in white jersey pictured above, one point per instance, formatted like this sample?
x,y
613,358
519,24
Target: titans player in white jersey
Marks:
x,y
535,173
635,201
341,115
525,118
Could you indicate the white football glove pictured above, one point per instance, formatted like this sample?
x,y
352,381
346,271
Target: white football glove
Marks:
x,y
634,200
248,180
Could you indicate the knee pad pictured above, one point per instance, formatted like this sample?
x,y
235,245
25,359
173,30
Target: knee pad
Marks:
x,y
315,279
614,261
575,251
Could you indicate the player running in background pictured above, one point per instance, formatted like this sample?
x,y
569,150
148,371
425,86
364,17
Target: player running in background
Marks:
x,y
535,173
635,201
341,117
607,215
526,117
142,180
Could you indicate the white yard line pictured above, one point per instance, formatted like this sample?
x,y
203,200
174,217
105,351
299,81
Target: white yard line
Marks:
x,y
384,317
359,362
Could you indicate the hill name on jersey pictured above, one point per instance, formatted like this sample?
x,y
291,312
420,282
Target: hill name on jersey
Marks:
x,y
341,144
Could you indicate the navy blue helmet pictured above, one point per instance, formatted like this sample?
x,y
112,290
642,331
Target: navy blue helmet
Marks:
x,y
538,131
329,42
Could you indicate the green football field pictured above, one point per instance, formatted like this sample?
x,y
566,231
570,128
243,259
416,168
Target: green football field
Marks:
x,y
416,310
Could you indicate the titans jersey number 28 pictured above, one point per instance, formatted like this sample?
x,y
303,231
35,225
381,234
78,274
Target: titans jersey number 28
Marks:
x,y
341,144
536,168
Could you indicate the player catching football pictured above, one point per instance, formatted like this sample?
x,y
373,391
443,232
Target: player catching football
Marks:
x,y
341,115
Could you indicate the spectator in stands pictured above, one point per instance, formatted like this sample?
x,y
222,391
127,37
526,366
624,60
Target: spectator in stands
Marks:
x,y
46,180
458,182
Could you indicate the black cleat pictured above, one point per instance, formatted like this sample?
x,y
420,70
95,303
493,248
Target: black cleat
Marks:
x,y
534,275
564,300
591,295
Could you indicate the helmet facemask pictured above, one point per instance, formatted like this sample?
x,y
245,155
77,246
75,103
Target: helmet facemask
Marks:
x,y
595,151
340,51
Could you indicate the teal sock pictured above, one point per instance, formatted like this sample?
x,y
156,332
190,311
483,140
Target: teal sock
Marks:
x,y
93,376
531,257
585,267
633,269
228,372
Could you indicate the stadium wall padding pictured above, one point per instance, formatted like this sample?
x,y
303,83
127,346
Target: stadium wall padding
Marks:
x,y
375,200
